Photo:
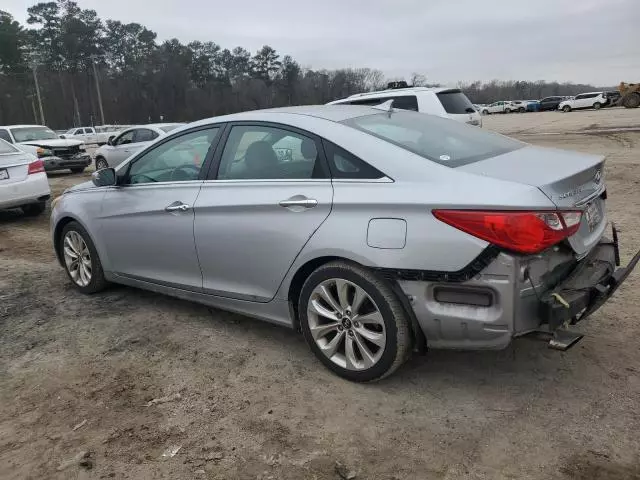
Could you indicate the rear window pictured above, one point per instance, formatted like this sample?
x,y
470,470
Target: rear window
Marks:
x,y
455,102
443,141
7,148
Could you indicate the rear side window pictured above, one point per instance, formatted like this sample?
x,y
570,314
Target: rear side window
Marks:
x,y
442,141
144,135
404,102
4,135
455,102
7,147
346,165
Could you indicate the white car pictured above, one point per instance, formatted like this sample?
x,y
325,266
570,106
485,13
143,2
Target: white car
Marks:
x,y
56,153
89,135
595,100
121,146
444,102
499,107
23,181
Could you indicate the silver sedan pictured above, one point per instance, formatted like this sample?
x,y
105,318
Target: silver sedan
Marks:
x,y
374,231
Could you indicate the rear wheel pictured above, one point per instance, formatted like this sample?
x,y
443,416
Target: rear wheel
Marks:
x,y
631,100
353,322
507,110
34,209
566,108
597,106
81,260
101,163
77,169
522,109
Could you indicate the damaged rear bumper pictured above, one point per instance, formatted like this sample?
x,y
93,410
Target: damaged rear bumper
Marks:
x,y
588,287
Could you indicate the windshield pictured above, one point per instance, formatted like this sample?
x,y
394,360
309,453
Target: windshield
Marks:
x,y
443,141
70,131
168,128
27,134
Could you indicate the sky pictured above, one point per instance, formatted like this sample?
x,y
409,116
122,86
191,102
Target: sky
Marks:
x,y
582,41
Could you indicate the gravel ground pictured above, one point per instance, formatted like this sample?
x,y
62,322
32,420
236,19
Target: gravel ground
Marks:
x,y
247,400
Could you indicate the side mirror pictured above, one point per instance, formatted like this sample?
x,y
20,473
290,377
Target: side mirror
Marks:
x,y
110,140
104,178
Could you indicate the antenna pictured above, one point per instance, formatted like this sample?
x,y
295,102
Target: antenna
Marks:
x,y
385,107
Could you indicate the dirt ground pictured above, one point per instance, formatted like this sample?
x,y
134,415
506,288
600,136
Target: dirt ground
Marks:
x,y
248,400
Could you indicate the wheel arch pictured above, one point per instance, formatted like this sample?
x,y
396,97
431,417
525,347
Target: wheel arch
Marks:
x,y
57,233
306,269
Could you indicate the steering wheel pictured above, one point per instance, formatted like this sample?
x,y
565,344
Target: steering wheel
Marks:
x,y
181,168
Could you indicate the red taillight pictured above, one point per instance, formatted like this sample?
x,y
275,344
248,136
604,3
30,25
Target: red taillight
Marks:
x,y
523,232
36,167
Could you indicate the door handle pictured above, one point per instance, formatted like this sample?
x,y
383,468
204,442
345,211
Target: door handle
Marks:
x,y
177,207
299,202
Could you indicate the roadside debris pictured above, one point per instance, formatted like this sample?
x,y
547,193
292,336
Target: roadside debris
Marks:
x,y
80,425
345,472
82,459
169,398
171,451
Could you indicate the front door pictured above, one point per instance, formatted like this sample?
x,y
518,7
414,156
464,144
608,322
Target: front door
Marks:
x,y
271,192
147,223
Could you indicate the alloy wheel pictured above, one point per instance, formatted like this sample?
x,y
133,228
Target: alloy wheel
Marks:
x,y
77,258
346,324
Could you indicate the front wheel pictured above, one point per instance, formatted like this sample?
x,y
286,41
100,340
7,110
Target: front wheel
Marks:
x,y
101,163
81,260
522,110
507,110
566,109
485,112
597,106
353,322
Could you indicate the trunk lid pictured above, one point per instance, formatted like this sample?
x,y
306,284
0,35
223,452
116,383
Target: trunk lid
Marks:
x,y
569,179
16,166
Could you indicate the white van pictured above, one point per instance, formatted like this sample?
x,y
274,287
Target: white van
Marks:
x,y
443,102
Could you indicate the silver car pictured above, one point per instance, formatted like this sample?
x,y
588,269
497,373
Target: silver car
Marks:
x,y
121,146
375,232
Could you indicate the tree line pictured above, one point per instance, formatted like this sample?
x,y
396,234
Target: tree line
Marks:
x,y
73,54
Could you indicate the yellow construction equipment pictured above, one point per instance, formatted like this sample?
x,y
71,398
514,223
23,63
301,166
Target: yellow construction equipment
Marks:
x,y
630,93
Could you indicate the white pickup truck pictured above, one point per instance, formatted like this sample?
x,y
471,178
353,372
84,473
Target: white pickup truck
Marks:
x,y
91,135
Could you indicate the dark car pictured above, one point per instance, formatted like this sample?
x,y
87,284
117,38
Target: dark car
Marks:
x,y
550,103
612,98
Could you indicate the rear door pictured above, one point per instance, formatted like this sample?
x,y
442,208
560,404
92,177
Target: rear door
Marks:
x,y
269,192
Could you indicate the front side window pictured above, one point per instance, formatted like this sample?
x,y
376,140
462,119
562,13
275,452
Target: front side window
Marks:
x,y
442,141
29,134
258,152
124,139
177,160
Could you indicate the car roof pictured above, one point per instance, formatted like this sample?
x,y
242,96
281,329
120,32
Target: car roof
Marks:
x,y
333,113
23,126
588,93
399,92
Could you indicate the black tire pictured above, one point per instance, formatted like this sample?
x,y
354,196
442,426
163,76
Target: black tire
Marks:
x,y
485,112
597,106
631,100
77,169
34,209
398,345
101,163
522,110
566,109
507,110
98,282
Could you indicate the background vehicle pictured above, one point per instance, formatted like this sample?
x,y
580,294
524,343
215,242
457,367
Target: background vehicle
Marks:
x,y
533,106
499,107
121,146
88,135
630,94
519,106
23,181
613,98
550,103
44,143
595,100
444,102
360,236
